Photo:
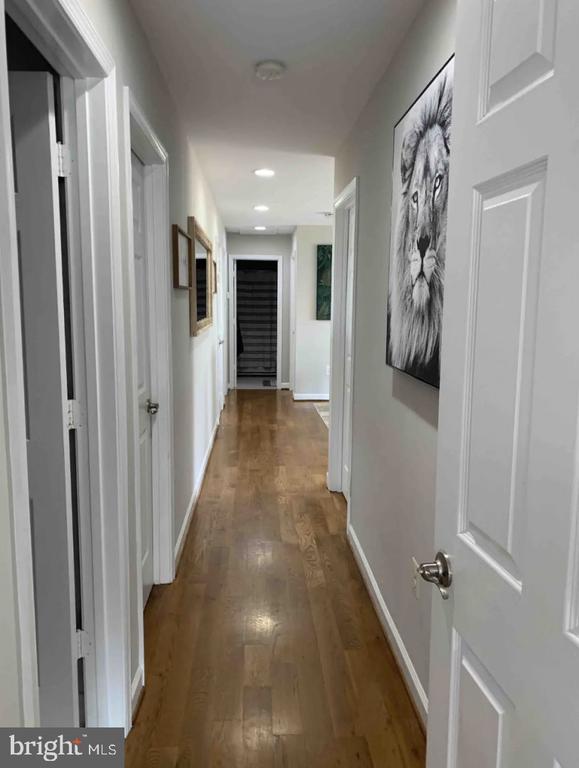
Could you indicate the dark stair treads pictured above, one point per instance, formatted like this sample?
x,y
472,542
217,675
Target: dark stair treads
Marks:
x,y
257,321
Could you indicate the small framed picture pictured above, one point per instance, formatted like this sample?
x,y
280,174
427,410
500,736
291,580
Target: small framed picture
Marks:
x,y
182,258
214,276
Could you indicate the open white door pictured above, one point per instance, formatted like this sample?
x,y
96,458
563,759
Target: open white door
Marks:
x,y
504,684
49,452
146,408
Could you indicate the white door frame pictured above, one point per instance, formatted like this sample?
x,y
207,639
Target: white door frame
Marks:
x,y
220,314
293,287
232,301
66,37
346,201
140,138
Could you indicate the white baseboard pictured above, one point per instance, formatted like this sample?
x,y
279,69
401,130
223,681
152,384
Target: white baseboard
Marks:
x,y
194,498
409,673
137,686
298,396
284,385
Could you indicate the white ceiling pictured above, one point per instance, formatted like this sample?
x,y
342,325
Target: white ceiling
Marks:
x,y
335,50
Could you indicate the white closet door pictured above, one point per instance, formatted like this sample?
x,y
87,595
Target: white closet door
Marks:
x,y
143,374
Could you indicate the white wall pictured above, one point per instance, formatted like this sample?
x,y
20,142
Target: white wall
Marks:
x,y
270,245
312,343
395,417
194,360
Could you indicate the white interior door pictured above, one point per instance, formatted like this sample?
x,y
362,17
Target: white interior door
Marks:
x,y
504,685
146,407
44,341
348,357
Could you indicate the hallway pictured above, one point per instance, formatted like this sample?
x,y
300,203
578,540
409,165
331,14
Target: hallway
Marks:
x,y
266,650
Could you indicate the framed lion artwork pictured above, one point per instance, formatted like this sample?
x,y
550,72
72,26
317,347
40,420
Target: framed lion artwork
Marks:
x,y
422,147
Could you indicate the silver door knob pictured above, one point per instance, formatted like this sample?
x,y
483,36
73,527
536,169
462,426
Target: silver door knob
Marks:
x,y
152,408
439,572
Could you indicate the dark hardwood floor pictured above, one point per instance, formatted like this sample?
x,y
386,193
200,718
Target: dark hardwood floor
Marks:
x,y
266,650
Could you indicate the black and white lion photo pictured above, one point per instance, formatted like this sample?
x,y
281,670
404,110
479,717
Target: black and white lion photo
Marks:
x,y
418,227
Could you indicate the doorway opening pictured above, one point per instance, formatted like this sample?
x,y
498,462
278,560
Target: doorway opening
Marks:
x,y
42,111
256,319
343,335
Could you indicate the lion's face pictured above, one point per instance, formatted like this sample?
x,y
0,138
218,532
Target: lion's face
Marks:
x,y
427,193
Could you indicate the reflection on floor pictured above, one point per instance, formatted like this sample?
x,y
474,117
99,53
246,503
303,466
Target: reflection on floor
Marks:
x,y
266,651
256,382
324,410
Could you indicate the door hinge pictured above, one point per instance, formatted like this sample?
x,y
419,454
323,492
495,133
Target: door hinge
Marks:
x,y
73,414
62,161
83,644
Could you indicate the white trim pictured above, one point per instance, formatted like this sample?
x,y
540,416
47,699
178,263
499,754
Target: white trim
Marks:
x,y
346,200
137,687
232,317
64,34
14,410
100,205
220,313
68,91
293,311
413,684
299,397
140,137
62,31
180,543
285,385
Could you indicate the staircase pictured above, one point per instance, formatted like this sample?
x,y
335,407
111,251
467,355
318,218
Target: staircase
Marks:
x,y
257,319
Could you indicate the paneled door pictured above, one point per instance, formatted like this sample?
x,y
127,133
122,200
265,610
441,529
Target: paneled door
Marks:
x,y
504,684
147,408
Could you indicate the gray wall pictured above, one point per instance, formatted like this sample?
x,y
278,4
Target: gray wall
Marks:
x,y
395,417
312,336
270,245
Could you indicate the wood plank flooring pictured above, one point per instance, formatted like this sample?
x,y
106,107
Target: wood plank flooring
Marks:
x,y
266,651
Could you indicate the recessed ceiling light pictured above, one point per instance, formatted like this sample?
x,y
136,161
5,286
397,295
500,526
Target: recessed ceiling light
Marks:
x,y
264,173
270,69
261,208
260,229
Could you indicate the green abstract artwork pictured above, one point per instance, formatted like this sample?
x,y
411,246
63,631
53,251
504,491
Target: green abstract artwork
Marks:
x,y
324,283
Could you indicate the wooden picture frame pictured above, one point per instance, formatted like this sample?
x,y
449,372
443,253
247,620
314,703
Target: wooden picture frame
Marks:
x,y
200,306
182,273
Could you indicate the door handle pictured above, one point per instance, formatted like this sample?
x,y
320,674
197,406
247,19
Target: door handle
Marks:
x,y
439,572
152,408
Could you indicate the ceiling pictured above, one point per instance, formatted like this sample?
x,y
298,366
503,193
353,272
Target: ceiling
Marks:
x,y
335,51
